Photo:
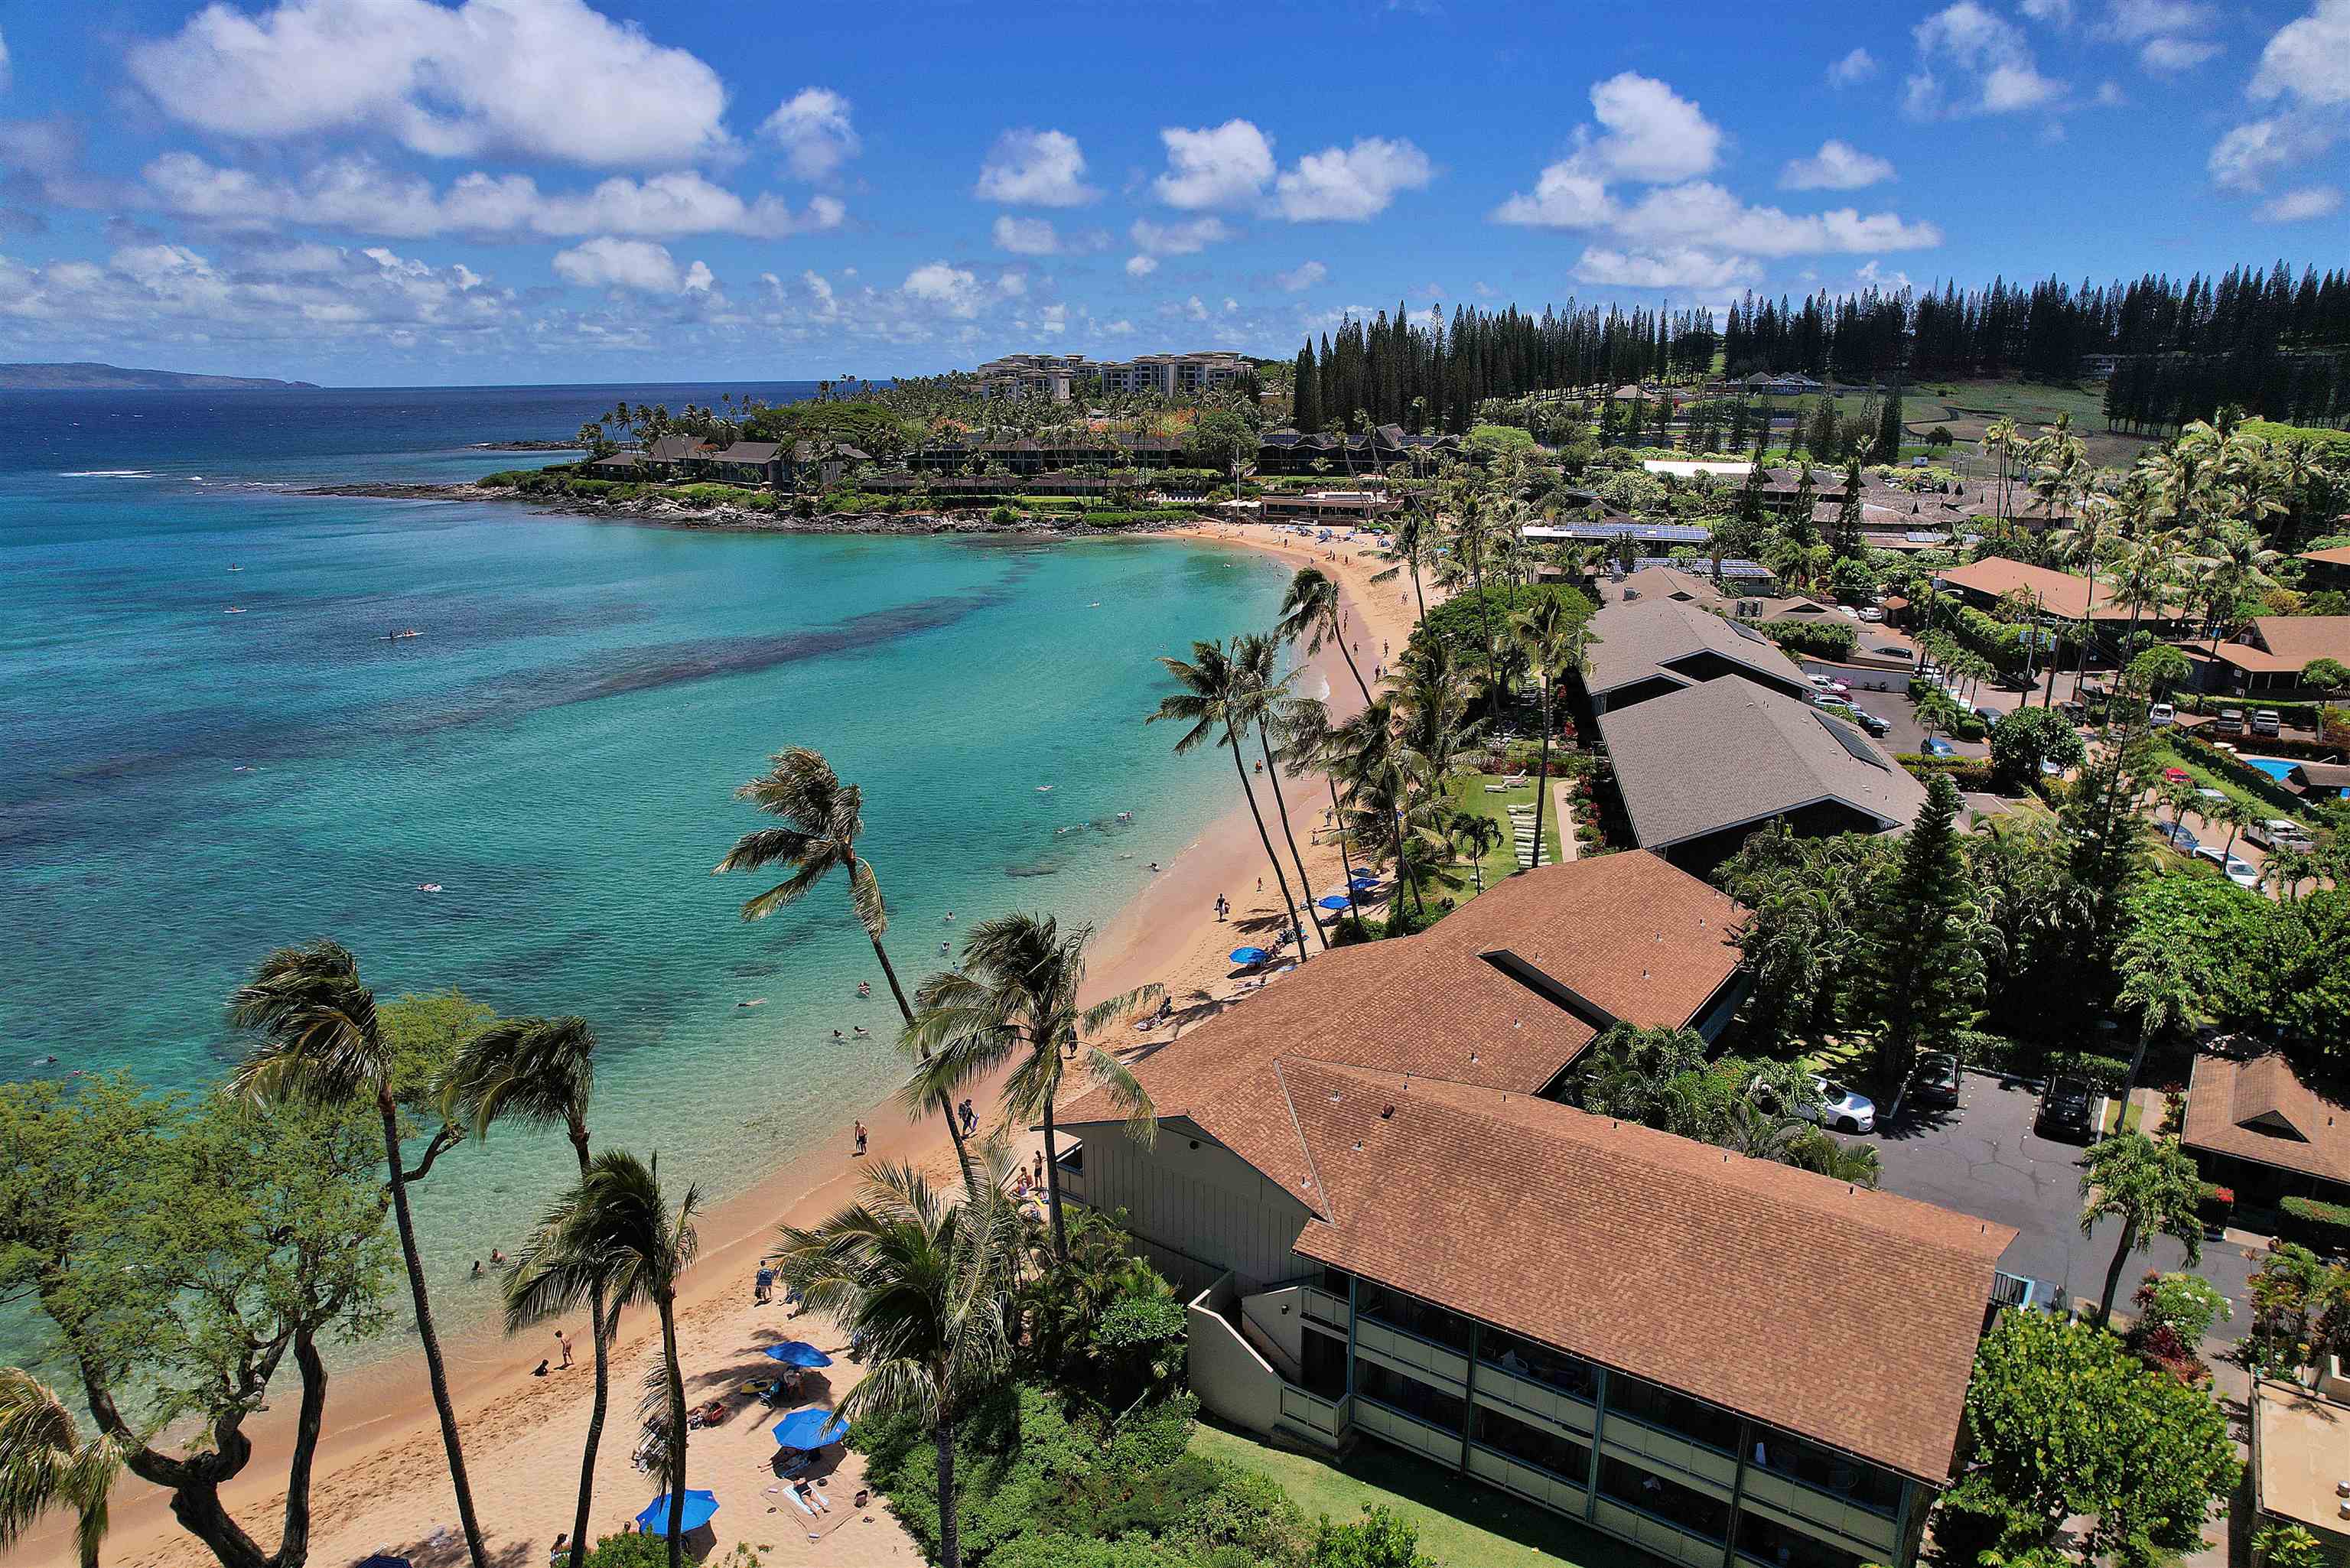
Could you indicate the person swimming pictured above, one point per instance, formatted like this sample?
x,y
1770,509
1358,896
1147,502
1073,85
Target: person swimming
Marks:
x,y
836,1034
755,1002
864,988
861,1032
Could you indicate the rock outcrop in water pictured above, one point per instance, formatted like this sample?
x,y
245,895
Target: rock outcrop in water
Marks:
x,y
664,511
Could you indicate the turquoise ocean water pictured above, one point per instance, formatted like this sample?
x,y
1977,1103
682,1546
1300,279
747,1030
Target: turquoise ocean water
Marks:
x,y
183,788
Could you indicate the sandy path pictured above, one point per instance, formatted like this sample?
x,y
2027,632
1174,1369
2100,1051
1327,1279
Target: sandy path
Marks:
x,y
381,1480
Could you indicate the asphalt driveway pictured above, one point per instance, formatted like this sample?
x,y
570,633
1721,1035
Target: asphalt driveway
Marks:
x,y
1984,1159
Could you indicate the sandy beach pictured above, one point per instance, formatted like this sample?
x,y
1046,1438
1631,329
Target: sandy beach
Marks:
x,y
381,1482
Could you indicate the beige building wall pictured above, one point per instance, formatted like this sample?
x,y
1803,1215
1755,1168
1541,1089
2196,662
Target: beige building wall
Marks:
x,y
1189,1195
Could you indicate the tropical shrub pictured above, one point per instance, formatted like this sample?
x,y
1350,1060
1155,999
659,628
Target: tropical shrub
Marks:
x,y
2323,1226
631,1550
2028,737
1820,639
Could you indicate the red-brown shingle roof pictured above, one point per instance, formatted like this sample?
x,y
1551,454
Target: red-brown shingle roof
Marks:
x,y
2260,1111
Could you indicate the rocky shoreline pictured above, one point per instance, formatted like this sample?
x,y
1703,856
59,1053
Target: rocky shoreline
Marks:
x,y
661,512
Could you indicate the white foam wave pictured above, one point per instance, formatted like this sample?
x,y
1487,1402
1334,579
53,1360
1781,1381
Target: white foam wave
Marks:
x,y
108,473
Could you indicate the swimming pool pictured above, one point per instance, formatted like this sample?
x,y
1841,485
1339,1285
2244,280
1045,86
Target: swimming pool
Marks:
x,y
2275,767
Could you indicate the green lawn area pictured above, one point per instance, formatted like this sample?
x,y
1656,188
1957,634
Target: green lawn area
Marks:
x,y
1468,793
2172,757
1462,1523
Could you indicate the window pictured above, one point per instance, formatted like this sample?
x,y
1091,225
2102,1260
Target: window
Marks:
x,y
1569,1375
1683,1507
1561,1457
1409,1395
1769,1542
1398,1310
1676,1413
1823,1470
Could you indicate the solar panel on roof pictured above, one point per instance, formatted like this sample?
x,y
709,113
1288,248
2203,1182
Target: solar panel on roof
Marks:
x,y
1748,632
1851,741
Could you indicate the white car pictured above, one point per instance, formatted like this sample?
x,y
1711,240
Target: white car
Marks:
x,y
1842,1109
2161,713
2240,872
2281,834
1872,615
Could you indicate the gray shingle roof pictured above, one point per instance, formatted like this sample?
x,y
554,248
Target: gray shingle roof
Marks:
x,y
1728,752
1637,641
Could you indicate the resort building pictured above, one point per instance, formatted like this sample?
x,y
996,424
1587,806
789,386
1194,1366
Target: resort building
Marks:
x,y
1374,452
1059,377
2255,1126
2296,1460
1643,647
2325,570
1352,507
2059,596
1391,1232
2267,657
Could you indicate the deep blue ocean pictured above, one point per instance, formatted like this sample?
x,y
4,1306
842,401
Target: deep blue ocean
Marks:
x,y
211,748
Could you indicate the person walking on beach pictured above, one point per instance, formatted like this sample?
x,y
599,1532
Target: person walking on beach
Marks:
x,y
970,1119
763,1287
860,1140
562,1341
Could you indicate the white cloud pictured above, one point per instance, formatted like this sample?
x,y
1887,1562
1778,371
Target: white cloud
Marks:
x,y
2056,13
1852,68
1836,166
2308,59
1188,237
550,78
2300,205
1700,212
3,64
1652,133
1035,168
2110,96
2132,21
2243,158
2164,56
1352,183
1684,266
1140,266
813,128
1302,276
1027,236
1567,195
606,262
1990,54
1194,309
950,288
357,194
1218,166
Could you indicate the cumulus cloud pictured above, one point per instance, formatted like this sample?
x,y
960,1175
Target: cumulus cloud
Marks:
x,y
1140,265
1836,166
550,78
1350,185
1027,236
2309,58
1684,266
1647,133
2056,13
2164,56
2300,205
813,128
1700,212
957,292
1188,237
1852,70
1035,168
1216,166
607,262
3,64
358,194
1996,71
1301,276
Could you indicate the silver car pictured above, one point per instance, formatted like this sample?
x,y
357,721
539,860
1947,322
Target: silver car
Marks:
x,y
1842,1109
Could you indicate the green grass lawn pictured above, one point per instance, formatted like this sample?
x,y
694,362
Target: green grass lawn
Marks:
x,y
1462,1523
2205,778
1467,791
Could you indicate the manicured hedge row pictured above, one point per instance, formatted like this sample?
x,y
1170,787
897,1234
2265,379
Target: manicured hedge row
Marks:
x,y
2106,1075
2237,770
1821,639
2325,1227
1974,774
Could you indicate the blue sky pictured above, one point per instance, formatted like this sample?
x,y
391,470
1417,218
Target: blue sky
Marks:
x,y
399,192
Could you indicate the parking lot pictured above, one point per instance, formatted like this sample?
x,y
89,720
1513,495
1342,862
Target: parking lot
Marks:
x,y
1984,1159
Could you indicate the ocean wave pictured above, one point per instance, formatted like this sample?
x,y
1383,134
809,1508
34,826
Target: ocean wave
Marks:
x,y
107,474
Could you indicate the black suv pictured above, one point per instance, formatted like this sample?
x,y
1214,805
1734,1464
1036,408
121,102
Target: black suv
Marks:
x,y
1936,1082
2064,1110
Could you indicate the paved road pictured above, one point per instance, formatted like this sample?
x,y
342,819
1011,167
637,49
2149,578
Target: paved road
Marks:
x,y
1984,1159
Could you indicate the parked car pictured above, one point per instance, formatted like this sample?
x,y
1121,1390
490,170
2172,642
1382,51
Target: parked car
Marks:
x,y
1990,717
2176,775
1936,1080
2064,1110
2180,839
2232,719
1938,747
2161,713
2076,711
2265,721
1869,722
1842,1109
2240,872
2277,833
1872,615
1830,683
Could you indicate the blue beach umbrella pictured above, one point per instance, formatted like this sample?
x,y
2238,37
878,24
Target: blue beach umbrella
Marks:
x,y
811,1430
699,1507
1364,879
385,1560
1336,901
798,1353
1249,955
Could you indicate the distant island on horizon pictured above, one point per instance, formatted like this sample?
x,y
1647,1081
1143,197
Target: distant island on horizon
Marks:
x,y
88,375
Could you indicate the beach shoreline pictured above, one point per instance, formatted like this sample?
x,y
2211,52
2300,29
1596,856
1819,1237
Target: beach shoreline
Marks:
x,y
381,1478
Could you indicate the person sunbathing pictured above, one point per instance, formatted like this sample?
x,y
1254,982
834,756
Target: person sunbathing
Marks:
x,y
808,1495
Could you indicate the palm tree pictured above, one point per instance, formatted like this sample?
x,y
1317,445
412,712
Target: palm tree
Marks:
x,y
613,1238
541,1073
2001,433
1256,653
1475,835
319,1042
1553,639
1368,759
1815,1150
1016,997
1409,546
1220,695
2152,1186
1308,743
1309,613
43,1464
923,1284
1471,533
2237,814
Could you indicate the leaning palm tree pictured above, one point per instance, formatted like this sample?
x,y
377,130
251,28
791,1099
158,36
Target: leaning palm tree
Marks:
x,y
1219,700
924,1283
1256,654
614,1238
1553,639
1373,767
1309,614
1015,997
823,819
1410,546
318,1042
43,1464
541,1073
1302,724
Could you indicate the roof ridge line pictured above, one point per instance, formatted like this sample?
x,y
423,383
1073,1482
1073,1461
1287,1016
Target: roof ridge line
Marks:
x,y
1328,1201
